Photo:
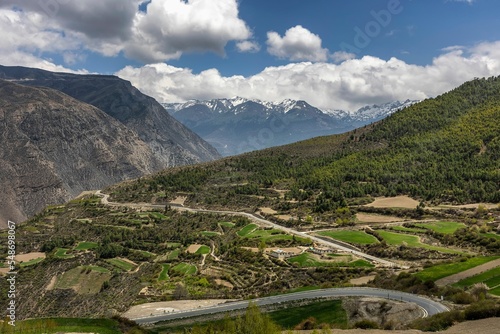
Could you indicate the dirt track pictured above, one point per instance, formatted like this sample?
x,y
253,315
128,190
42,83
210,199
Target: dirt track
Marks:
x,y
468,273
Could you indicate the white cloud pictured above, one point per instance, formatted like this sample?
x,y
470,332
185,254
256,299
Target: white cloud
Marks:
x,y
248,46
467,1
341,56
32,35
166,30
297,44
172,27
349,85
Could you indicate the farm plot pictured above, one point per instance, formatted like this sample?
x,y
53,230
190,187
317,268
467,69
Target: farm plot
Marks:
x,y
185,269
491,278
310,260
445,270
86,280
412,241
253,231
442,227
125,265
353,237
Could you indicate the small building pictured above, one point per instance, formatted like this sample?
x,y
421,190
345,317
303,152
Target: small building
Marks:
x,y
281,254
321,250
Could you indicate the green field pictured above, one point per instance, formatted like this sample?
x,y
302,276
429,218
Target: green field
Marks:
x,y
210,233
173,255
153,214
123,265
492,276
85,245
226,224
442,227
203,250
84,279
61,253
164,273
253,231
354,237
408,229
308,260
443,270
328,312
185,268
491,235
411,240
31,262
495,291
64,325
245,231
173,244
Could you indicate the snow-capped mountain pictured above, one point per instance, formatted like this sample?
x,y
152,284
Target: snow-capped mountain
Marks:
x,y
238,125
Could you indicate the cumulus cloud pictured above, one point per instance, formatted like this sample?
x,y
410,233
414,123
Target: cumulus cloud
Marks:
x,y
248,46
349,85
23,45
171,27
165,30
298,44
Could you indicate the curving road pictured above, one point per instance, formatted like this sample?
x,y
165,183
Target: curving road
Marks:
x,y
429,307
376,260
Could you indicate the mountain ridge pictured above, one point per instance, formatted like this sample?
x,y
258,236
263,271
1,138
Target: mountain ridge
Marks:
x,y
169,140
239,125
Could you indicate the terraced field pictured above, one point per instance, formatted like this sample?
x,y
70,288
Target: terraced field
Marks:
x,y
353,237
411,240
442,227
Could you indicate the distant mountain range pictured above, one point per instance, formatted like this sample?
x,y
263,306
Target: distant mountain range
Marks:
x,y
61,134
239,125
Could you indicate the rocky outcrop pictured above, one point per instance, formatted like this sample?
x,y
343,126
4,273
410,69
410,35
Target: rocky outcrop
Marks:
x,y
386,313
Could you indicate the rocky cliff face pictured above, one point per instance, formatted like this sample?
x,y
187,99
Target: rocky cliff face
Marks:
x,y
53,147
171,142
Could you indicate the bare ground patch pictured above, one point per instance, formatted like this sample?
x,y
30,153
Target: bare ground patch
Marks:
x,y
193,249
468,273
179,200
268,211
369,218
394,202
29,256
157,308
362,280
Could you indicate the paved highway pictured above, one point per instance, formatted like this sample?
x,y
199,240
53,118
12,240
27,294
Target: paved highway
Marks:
x,y
429,307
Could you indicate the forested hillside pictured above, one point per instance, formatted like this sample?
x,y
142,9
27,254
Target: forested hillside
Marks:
x,y
444,150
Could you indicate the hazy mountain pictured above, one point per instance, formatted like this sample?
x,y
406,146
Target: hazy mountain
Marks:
x,y
171,142
240,125
54,146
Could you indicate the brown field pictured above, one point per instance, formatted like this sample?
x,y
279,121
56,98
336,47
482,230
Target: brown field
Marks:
x,y
362,280
368,218
471,206
268,211
193,249
180,200
394,202
168,307
29,256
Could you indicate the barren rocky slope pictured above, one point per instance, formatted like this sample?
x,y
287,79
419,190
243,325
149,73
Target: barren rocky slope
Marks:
x,y
53,147
171,142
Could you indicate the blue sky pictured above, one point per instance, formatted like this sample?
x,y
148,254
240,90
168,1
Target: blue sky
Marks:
x,y
177,50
